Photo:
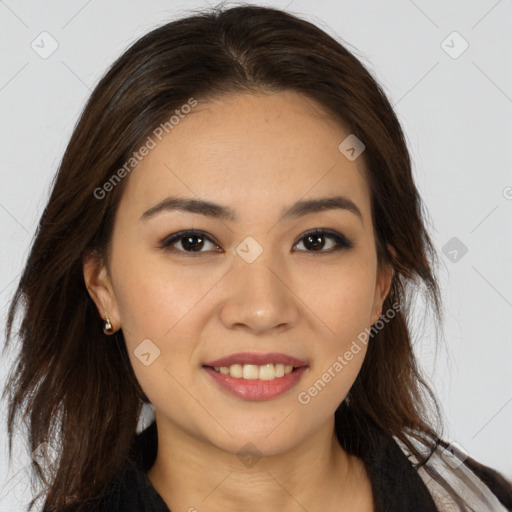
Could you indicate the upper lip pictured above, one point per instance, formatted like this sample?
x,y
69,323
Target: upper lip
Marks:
x,y
257,359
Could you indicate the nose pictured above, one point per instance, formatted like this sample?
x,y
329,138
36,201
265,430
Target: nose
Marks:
x,y
259,297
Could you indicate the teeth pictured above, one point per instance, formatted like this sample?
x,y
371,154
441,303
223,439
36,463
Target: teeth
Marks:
x,y
250,371
267,372
254,371
236,370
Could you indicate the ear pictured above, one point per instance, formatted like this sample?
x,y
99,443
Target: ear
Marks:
x,y
385,273
99,286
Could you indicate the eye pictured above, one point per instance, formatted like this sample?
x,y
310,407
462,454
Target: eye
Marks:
x,y
192,242
314,241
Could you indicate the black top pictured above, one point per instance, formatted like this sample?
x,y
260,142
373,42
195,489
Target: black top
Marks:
x,y
396,485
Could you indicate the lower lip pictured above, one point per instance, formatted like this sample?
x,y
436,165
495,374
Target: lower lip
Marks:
x,y
256,389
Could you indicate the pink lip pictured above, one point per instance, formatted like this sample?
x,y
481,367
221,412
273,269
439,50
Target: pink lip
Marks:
x,y
258,359
255,389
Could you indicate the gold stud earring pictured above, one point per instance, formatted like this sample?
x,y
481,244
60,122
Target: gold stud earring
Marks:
x,y
107,326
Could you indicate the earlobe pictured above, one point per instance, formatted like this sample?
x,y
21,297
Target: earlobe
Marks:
x,y
99,286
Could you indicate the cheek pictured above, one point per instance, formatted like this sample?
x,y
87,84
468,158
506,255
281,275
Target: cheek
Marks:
x,y
161,303
345,308
155,297
343,302
341,295
157,313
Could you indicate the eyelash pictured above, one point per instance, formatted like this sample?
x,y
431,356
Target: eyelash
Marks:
x,y
341,241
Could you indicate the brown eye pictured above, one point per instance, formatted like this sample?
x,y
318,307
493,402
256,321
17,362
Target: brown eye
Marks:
x,y
314,241
187,242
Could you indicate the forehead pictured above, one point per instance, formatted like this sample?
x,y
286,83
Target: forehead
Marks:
x,y
252,152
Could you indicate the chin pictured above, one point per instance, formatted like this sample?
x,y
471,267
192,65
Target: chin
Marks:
x,y
265,440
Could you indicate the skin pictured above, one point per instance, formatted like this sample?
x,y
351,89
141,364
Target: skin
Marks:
x,y
257,154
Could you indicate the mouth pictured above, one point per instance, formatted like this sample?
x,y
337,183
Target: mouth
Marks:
x,y
254,376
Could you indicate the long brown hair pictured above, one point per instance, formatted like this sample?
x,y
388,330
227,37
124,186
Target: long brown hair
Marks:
x,y
76,388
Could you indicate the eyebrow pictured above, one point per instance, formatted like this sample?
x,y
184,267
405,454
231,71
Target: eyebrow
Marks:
x,y
217,211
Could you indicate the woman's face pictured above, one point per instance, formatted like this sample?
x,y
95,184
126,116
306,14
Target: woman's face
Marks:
x,y
255,286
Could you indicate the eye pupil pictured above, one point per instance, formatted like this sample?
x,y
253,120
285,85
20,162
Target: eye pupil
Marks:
x,y
315,242
187,242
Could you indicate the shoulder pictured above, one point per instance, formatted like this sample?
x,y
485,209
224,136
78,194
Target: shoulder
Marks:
x,y
447,481
495,481
130,491
479,486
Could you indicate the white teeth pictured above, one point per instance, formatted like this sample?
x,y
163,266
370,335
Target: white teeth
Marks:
x,y
236,370
267,372
250,371
254,371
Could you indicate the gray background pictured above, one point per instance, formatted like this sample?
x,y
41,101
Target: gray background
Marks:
x,y
455,108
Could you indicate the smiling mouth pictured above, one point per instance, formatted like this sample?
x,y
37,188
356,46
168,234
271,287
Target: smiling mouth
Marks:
x,y
253,371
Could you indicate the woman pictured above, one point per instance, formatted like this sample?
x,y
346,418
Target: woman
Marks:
x,y
232,240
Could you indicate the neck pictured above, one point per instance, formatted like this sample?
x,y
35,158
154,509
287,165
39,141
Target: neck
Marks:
x,y
193,474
